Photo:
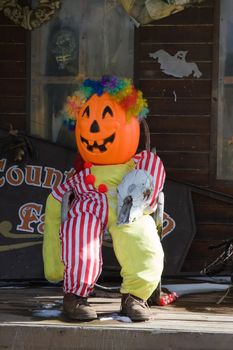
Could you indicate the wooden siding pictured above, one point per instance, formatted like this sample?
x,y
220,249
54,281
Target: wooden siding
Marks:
x,y
181,119
13,83
214,224
180,108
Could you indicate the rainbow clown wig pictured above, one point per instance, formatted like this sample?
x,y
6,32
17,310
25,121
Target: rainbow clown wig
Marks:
x,y
121,90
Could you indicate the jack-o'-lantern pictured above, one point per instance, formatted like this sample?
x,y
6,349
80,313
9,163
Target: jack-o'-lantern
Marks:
x,y
107,114
103,134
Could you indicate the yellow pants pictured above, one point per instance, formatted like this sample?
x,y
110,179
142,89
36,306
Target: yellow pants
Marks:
x,y
139,252
137,247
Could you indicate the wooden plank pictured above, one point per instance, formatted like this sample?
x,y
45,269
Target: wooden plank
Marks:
x,y
177,34
213,194
205,256
214,214
191,15
13,34
223,186
200,248
192,176
12,69
205,200
152,70
16,51
18,121
12,105
183,106
182,124
184,160
194,321
176,88
13,87
213,198
196,52
181,142
194,265
214,231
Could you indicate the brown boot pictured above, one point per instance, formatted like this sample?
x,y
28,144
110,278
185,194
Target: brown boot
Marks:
x,y
135,308
77,308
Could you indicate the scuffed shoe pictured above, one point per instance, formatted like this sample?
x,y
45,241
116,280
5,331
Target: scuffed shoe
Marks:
x,y
77,308
135,308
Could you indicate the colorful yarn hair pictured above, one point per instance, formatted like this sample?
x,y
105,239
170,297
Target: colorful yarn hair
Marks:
x,y
121,90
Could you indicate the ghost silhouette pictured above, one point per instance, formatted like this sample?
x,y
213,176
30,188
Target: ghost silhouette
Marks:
x,y
176,65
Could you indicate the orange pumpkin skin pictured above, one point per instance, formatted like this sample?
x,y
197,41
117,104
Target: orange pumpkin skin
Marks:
x,y
103,134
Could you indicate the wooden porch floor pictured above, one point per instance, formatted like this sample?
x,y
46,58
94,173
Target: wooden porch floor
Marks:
x,y
31,318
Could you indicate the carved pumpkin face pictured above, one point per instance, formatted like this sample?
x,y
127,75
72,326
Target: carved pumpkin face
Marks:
x,y
103,134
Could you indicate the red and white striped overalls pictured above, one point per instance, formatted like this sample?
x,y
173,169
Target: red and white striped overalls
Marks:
x,y
81,233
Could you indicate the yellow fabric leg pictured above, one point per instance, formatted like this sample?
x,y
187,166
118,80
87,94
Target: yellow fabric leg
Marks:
x,y
53,266
139,252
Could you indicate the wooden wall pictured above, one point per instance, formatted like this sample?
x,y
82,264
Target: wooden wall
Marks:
x,y
180,108
214,224
181,118
13,83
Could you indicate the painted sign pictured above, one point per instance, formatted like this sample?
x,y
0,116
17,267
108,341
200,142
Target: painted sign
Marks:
x,y
23,192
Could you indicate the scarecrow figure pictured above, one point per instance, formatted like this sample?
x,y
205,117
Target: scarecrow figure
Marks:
x,y
116,191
